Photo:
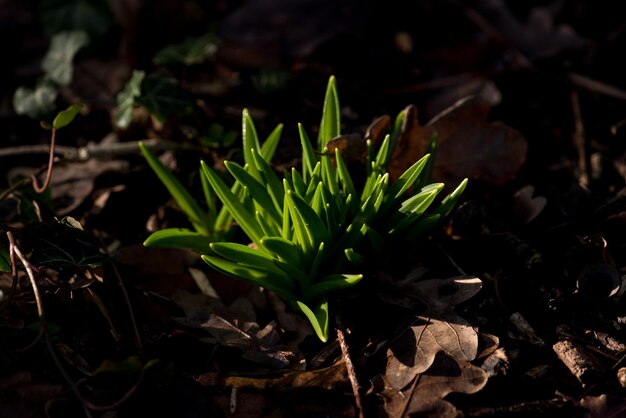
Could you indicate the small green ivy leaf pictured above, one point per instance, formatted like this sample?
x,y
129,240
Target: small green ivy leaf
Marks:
x,y
93,16
58,60
65,117
126,99
189,52
164,98
37,103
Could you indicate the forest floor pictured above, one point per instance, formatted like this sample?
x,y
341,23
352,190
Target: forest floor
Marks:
x,y
514,307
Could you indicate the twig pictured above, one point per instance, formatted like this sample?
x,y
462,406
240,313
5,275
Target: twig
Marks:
x,y
106,150
439,83
13,251
41,189
596,86
130,307
350,368
579,141
451,260
13,276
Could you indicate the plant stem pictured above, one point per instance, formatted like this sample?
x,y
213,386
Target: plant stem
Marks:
x,y
40,189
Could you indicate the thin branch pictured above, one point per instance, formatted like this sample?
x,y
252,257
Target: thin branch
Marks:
x,y
106,150
13,251
351,374
578,138
13,277
130,307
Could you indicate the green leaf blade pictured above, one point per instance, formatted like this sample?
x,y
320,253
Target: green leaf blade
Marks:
x,y
330,125
249,274
65,117
244,218
318,317
179,238
180,194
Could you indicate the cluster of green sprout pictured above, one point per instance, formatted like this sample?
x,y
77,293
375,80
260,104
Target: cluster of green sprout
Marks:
x,y
311,229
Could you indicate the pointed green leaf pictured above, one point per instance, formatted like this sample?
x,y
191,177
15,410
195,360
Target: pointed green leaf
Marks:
x,y
267,224
271,143
299,186
329,173
407,179
384,153
318,318
353,256
397,130
317,261
309,159
243,217
330,284
209,197
257,277
346,180
317,201
250,257
448,203
414,207
284,249
299,229
330,125
313,224
287,231
331,213
250,141
179,238
224,219
270,179
187,203
257,191
295,273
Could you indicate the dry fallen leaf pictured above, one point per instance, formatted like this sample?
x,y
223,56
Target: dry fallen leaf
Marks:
x,y
234,326
424,397
446,376
248,343
414,351
467,145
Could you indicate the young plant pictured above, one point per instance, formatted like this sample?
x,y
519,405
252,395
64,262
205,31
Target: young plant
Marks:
x,y
310,230
210,225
